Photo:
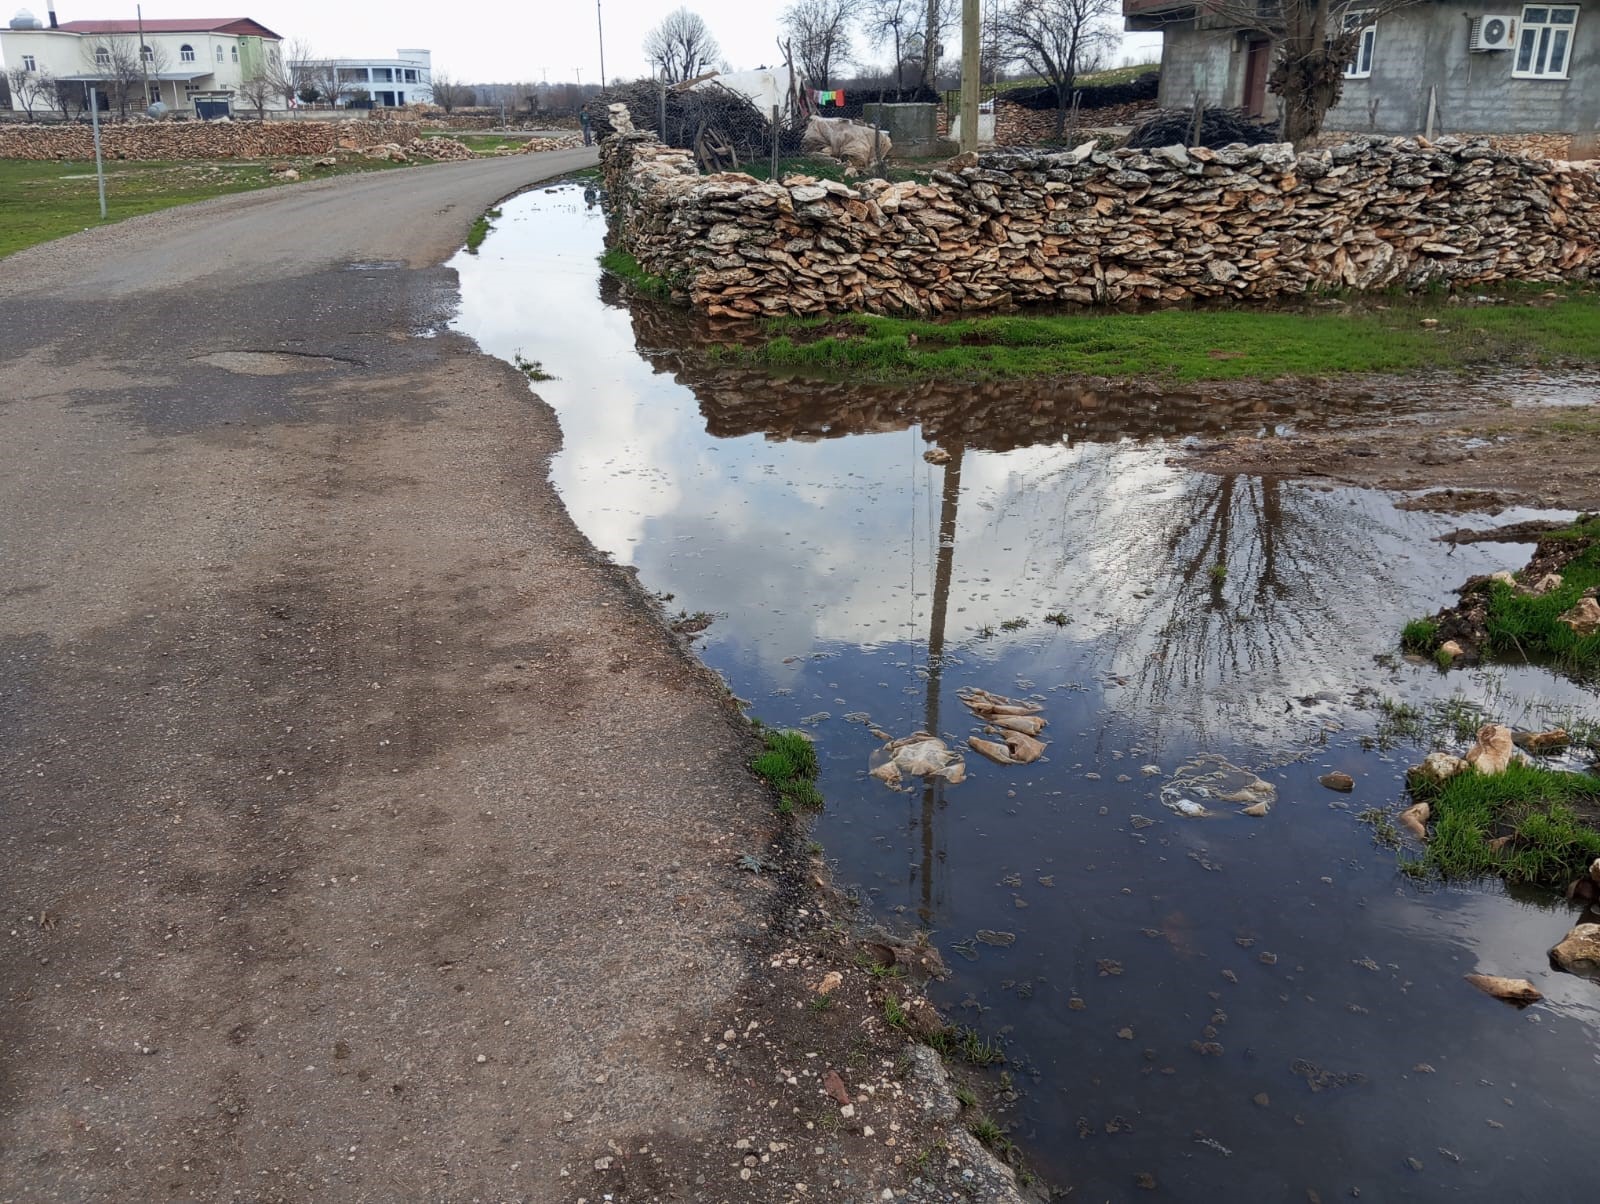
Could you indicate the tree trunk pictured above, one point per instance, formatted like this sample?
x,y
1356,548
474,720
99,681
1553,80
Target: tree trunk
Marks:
x,y
930,49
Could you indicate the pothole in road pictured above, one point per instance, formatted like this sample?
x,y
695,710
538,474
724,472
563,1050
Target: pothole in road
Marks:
x,y
272,363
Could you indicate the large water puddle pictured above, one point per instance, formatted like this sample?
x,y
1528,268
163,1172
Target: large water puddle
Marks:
x,y
1241,1008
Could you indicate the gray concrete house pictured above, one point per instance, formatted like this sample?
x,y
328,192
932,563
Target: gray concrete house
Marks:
x,y
1487,66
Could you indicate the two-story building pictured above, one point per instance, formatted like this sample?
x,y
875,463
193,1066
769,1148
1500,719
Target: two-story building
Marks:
x,y
1478,66
387,83
198,65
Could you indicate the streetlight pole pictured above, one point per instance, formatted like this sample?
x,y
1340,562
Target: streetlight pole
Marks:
x,y
599,21
99,162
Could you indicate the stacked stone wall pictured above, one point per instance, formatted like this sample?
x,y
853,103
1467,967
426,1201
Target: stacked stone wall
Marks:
x,y
172,140
1106,227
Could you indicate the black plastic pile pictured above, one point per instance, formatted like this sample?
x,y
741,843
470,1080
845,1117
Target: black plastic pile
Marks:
x,y
1095,96
1218,127
723,128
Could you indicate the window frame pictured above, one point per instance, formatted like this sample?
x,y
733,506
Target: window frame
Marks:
x,y
29,63
1539,64
235,50
219,52
1366,41
186,53
102,56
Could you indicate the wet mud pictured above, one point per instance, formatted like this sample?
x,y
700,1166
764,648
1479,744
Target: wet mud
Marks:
x,y
1249,1003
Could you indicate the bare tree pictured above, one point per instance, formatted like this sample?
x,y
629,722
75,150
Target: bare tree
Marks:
x,y
894,22
1054,39
819,30
288,69
1314,42
261,82
447,93
117,62
681,47
30,88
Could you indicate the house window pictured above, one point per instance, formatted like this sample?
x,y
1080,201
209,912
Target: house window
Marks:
x,y
411,77
28,64
102,57
186,53
219,54
146,55
235,50
155,94
1366,33
1544,43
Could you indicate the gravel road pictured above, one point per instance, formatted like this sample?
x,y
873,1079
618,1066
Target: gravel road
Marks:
x,y
366,836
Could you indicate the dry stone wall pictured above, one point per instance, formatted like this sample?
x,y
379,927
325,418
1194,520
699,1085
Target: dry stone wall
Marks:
x,y
1105,227
200,139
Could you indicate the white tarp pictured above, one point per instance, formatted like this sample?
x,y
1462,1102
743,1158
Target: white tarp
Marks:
x,y
765,87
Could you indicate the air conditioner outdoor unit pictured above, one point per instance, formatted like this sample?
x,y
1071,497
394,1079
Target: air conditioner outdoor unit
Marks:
x,y
1492,32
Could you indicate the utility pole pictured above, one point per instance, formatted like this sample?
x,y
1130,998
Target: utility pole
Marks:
x,y
144,71
970,50
599,21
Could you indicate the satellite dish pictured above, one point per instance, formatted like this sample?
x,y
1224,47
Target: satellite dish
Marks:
x,y
157,109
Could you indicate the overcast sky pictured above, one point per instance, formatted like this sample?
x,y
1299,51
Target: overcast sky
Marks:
x,y
490,40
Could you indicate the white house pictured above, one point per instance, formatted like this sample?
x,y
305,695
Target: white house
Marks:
x,y
198,65
389,83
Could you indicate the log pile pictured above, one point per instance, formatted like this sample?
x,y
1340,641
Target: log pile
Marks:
x,y
534,146
1017,126
1218,128
173,140
443,150
1105,227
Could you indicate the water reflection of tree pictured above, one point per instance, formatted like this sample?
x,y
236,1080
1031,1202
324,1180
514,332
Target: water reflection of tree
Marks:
x,y
1216,587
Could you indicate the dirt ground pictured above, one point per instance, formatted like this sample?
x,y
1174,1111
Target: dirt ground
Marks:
x,y
1472,449
367,834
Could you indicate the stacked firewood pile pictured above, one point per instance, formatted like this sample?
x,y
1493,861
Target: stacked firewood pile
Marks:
x,y
1017,126
443,150
1091,226
172,140
534,146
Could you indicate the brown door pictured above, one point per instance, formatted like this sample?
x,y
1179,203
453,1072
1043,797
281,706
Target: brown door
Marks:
x,y
1256,64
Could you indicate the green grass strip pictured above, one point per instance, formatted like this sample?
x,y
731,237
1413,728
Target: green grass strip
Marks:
x,y
1383,334
1549,814
789,765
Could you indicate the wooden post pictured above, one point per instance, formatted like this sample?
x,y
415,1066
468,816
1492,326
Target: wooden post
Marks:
x,y
970,48
1433,112
772,173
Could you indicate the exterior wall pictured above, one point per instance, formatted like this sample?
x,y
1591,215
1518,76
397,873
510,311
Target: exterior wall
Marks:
x,y
61,53
1423,47
1208,61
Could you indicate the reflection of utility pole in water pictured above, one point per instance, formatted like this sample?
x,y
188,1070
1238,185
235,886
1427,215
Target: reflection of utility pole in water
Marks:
x,y
944,566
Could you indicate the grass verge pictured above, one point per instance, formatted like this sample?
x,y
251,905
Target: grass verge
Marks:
x,y
1522,625
1527,824
626,268
42,201
789,765
480,230
1376,335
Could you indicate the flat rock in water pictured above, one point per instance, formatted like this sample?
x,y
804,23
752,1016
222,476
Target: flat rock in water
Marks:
x,y
1437,768
997,753
1513,990
1341,782
1579,952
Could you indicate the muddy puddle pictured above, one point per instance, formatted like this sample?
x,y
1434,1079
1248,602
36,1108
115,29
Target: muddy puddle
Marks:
x,y
1237,1007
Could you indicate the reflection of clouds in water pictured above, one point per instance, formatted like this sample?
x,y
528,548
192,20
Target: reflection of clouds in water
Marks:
x,y
835,540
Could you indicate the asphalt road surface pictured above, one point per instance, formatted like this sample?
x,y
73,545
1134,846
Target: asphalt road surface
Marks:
x,y
365,835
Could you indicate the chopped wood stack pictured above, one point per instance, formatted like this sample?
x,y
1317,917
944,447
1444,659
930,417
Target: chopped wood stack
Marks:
x,y
171,140
1015,125
534,146
1105,227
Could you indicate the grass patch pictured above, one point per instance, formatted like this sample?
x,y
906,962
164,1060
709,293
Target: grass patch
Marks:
x,y
1528,625
789,765
968,1044
1188,345
533,370
1420,636
1550,817
483,144
480,230
626,268
42,201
